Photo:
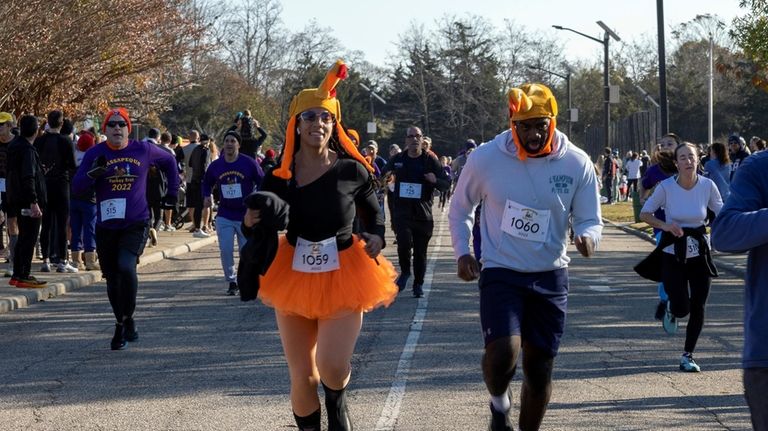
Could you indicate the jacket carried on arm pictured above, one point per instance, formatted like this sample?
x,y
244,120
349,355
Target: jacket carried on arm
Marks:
x,y
650,267
261,247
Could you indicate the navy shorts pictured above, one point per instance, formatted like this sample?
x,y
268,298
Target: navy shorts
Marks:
x,y
529,304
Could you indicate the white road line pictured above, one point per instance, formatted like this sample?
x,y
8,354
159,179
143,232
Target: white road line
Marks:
x,y
391,410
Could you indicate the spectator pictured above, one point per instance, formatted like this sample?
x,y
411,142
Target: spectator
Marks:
x,y
26,199
737,152
82,214
718,169
57,155
251,144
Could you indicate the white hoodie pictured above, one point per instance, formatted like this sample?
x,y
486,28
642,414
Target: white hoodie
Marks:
x,y
562,184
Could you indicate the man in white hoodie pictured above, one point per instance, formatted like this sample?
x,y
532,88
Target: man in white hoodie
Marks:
x,y
531,180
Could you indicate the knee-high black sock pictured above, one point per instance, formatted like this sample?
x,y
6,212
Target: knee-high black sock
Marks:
x,y
308,423
336,404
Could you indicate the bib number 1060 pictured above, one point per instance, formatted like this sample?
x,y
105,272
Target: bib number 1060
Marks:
x,y
316,260
524,225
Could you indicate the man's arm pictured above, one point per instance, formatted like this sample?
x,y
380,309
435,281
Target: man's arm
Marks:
x,y
585,208
741,224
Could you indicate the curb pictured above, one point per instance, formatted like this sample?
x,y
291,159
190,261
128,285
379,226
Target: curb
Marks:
x,y
22,298
721,264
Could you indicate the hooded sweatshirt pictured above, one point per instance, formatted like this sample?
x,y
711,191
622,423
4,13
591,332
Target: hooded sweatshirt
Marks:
x,y
546,191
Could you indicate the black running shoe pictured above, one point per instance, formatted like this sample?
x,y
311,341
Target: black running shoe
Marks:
x,y
661,308
118,341
233,289
129,330
402,280
418,292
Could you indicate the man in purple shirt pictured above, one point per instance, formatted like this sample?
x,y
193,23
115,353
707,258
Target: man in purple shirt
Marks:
x,y
235,176
118,169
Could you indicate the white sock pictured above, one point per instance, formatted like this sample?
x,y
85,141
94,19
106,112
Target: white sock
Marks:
x,y
501,403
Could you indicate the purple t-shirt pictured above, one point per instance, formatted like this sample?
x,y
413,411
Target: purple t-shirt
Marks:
x,y
121,192
653,176
234,181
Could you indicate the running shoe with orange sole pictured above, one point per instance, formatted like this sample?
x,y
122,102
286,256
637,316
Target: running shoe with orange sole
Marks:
x,y
30,283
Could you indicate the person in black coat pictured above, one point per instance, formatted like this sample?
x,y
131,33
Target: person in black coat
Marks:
x,y
27,196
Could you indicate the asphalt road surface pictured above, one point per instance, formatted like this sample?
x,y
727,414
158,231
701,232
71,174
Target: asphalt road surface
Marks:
x,y
206,361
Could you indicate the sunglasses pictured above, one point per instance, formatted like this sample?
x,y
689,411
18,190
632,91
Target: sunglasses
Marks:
x,y
120,124
311,116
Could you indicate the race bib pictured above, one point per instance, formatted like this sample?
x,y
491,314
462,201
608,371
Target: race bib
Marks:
x,y
410,190
2,184
525,223
317,257
113,209
691,247
231,191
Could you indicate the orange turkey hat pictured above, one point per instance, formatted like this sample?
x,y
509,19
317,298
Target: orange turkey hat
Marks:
x,y
532,101
324,96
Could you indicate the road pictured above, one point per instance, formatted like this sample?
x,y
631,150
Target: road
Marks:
x,y
206,361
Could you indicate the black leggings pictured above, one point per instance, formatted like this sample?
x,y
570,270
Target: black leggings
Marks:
x,y
118,252
677,279
413,234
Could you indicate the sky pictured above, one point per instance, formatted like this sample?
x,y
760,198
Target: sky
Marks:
x,y
374,27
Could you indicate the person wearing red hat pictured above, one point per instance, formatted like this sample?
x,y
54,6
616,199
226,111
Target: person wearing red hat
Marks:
x,y
524,230
82,214
269,162
323,278
117,169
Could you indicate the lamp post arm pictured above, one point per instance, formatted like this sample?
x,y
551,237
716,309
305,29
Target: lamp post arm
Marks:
x,y
559,27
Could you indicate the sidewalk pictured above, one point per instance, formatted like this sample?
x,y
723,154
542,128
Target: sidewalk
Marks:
x,y
735,263
169,244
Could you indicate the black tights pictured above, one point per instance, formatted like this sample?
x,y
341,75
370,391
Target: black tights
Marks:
x,y
677,279
118,251
123,286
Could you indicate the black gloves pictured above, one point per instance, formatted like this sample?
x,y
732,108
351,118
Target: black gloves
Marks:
x,y
98,167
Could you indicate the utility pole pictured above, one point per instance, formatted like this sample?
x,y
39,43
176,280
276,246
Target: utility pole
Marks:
x,y
662,69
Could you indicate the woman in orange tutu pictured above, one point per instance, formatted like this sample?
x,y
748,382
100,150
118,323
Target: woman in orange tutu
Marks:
x,y
323,277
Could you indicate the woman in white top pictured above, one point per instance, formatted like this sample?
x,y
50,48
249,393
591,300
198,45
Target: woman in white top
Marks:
x,y
686,260
632,167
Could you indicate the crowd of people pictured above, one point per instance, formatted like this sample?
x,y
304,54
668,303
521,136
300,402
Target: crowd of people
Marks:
x,y
93,200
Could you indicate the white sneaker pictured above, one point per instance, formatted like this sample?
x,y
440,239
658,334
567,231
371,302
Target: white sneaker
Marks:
x,y
170,229
45,267
200,234
66,267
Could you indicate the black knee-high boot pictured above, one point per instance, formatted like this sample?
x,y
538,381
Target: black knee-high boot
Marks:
x,y
336,404
308,423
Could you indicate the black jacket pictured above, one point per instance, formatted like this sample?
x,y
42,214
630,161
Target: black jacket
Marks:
x,y
25,181
261,246
650,267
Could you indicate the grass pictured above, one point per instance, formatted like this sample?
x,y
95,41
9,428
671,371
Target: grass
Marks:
x,y
621,212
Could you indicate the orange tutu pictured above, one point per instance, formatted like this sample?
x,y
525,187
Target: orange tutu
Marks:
x,y
358,285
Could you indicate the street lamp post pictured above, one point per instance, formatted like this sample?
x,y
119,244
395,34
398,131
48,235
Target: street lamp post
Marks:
x,y
606,82
371,95
568,90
